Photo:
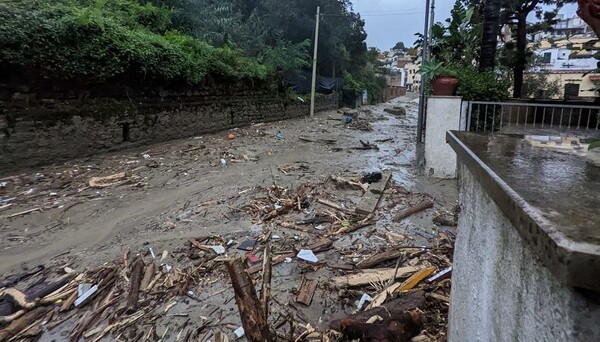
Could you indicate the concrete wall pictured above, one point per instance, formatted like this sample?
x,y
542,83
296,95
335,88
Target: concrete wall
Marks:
x,y
49,131
500,290
443,114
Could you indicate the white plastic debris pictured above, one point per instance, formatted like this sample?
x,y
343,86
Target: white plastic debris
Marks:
x,y
239,332
217,249
152,253
275,237
82,288
223,162
288,260
307,255
277,206
320,227
146,156
86,295
363,300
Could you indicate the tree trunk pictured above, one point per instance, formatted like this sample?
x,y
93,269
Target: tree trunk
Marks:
x,y
521,55
489,39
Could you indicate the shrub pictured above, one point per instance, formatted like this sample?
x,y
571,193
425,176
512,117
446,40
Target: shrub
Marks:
x,y
102,39
487,86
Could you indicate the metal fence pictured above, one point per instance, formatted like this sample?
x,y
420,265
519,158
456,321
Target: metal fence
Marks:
x,y
517,117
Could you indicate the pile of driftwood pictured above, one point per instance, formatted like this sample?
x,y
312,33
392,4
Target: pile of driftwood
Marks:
x,y
402,290
113,299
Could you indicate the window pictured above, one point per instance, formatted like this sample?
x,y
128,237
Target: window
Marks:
x,y
547,57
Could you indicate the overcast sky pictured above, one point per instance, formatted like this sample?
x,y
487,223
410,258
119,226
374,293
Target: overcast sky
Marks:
x,y
390,21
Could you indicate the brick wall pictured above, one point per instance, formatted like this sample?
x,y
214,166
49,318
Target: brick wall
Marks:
x,y
38,132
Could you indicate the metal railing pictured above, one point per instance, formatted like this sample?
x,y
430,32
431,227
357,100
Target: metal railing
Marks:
x,y
521,117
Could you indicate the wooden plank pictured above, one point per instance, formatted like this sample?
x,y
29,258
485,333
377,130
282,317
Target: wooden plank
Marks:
x,y
372,276
371,198
251,311
379,187
380,258
307,292
408,284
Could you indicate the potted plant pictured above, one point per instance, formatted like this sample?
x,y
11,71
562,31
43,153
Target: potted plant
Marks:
x,y
443,79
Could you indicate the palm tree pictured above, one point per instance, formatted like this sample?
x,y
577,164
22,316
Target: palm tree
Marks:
x,y
489,38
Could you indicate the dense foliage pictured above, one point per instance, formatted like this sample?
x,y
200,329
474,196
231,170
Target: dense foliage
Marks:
x,y
188,41
104,39
481,86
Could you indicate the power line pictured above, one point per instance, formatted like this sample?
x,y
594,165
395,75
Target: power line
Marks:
x,y
375,15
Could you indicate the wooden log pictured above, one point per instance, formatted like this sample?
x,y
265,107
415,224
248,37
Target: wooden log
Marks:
x,y
252,316
412,210
330,204
439,297
373,276
137,273
148,275
399,328
408,302
16,326
265,292
380,258
307,292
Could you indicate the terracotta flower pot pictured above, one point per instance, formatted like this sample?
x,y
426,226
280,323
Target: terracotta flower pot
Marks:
x,y
444,85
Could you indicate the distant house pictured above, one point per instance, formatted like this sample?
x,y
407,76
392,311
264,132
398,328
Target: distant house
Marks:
x,y
562,55
567,61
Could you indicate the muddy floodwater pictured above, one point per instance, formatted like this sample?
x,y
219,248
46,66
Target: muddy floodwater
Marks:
x,y
214,190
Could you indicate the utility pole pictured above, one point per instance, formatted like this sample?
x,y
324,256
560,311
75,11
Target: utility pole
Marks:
x,y
314,68
424,57
432,16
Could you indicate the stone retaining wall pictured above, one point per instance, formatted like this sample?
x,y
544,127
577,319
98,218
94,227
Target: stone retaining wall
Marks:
x,y
51,130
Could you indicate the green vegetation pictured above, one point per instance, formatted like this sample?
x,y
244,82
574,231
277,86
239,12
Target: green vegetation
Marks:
x,y
104,39
179,41
595,144
481,86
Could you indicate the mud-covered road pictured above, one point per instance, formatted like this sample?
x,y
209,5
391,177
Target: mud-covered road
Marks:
x,y
203,186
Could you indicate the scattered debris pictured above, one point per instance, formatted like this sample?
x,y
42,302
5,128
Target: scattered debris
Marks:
x,y
401,111
367,146
307,292
449,218
307,255
297,222
247,245
364,300
371,177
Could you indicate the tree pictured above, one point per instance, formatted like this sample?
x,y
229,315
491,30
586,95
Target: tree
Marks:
x,y
515,13
399,46
489,37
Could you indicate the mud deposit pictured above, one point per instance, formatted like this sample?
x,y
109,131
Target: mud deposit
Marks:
x,y
271,183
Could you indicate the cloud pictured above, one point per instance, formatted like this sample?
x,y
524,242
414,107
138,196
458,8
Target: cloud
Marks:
x,y
391,21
